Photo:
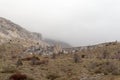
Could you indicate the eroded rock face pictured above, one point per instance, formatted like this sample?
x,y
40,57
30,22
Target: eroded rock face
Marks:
x,y
9,29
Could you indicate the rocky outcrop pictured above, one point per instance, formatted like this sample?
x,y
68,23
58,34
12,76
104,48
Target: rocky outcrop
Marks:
x,y
11,30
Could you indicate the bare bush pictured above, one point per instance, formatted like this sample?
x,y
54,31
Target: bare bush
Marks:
x,y
76,58
94,77
19,63
52,76
53,56
8,69
19,76
104,67
105,54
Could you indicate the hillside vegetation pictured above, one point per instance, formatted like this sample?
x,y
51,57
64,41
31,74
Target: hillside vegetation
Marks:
x,y
98,63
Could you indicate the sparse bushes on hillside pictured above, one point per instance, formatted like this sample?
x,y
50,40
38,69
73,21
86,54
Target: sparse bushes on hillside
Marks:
x,y
106,67
8,69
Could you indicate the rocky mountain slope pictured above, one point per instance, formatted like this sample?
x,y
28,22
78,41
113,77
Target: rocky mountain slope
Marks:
x,y
10,31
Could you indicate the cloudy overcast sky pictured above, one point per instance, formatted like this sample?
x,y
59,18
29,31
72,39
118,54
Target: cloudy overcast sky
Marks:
x,y
78,22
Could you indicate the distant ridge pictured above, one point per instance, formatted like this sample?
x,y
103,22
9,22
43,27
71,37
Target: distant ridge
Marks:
x,y
53,42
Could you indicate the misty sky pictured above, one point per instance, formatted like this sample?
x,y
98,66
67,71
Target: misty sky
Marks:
x,y
78,22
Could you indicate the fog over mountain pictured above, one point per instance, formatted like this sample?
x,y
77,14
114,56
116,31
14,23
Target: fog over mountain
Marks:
x,y
77,22
54,42
11,31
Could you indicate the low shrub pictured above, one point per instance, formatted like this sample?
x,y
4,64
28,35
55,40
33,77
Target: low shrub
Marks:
x,y
19,76
8,69
106,67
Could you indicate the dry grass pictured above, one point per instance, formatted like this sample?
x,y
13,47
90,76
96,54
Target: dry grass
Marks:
x,y
64,68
